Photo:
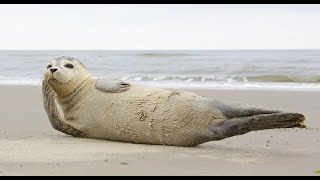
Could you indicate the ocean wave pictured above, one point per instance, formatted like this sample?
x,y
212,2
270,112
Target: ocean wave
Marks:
x,y
19,81
262,78
239,86
194,82
283,78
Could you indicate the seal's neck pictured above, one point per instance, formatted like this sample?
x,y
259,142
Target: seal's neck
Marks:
x,y
76,95
64,90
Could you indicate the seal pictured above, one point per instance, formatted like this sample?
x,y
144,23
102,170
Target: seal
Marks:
x,y
81,105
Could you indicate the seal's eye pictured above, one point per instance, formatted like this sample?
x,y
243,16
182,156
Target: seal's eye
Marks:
x,y
49,66
70,66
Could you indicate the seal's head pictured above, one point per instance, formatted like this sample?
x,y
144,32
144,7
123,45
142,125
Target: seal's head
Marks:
x,y
65,74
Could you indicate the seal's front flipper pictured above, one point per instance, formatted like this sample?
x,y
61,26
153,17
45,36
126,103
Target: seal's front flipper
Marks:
x,y
56,120
242,125
111,85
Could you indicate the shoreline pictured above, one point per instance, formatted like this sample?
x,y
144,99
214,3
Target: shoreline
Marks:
x,y
30,146
200,88
251,86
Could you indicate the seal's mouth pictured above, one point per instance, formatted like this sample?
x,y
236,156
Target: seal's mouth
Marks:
x,y
54,81
49,78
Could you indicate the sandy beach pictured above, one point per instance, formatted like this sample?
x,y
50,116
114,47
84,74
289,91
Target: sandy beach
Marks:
x,y
30,146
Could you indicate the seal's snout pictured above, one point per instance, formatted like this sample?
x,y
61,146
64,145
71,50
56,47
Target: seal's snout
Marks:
x,y
53,70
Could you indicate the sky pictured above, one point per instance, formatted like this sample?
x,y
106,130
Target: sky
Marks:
x,y
159,27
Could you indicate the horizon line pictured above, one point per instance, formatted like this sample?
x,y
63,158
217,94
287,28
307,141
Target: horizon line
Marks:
x,y
302,49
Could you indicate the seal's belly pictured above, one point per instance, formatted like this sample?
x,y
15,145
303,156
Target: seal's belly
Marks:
x,y
144,116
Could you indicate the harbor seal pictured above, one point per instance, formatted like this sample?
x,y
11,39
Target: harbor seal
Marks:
x,y
81,105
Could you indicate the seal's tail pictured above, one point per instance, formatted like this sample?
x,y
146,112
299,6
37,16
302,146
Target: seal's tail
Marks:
x,y
241,125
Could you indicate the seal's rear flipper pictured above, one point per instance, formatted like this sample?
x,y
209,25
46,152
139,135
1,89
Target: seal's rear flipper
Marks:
x,y
242,125
237,110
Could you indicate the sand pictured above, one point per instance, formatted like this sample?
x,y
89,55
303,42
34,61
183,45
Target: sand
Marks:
x,y
30,146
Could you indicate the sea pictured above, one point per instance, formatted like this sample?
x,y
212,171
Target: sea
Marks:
x,y
296,70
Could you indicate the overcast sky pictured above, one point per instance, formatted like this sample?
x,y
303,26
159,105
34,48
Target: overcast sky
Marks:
x,y
162,27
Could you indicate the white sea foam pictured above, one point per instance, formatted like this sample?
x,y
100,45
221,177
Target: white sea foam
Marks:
x,y
238,86
19,81
187,84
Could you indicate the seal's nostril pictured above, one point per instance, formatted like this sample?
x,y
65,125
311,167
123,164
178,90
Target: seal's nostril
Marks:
x,y
53,70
